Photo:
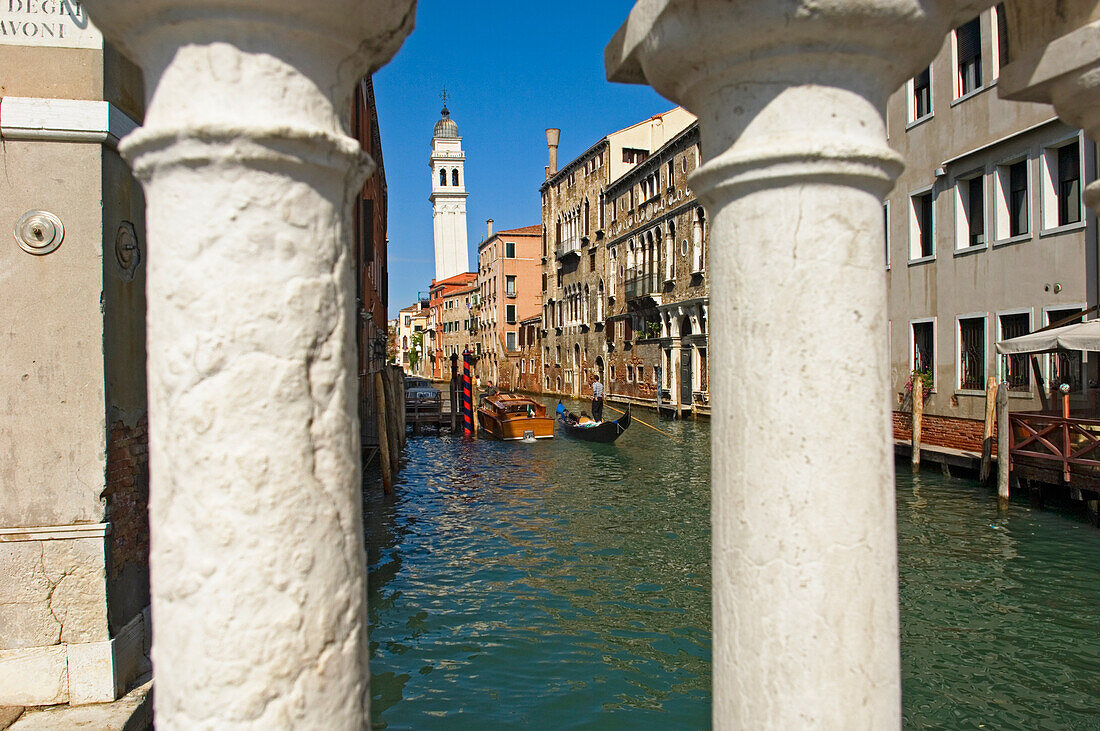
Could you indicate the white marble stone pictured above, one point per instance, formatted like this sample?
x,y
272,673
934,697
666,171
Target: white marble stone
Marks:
x,y
34,676
790,97
91,672
257,559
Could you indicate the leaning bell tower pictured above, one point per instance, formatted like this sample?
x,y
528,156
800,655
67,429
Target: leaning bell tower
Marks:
x,y
448,197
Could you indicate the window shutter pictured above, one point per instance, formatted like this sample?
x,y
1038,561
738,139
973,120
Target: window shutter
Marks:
x,y
921,80
969,38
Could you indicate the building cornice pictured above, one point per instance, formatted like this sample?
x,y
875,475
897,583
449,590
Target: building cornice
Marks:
x,y
63,120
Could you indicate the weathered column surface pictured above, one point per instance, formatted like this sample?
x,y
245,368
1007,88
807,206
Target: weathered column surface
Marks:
x,y
258,569
790,95
1056,60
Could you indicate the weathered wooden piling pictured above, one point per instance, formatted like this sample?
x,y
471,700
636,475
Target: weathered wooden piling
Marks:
x,y
1003,457
918,415
987,442
399,374
393,419
383,442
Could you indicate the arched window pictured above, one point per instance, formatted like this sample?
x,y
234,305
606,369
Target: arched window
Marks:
x,y
586,217
670,252
599,301
454,177
442,177
697,232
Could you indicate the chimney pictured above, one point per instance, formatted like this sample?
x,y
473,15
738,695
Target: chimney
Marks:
x,y
552,136
488,229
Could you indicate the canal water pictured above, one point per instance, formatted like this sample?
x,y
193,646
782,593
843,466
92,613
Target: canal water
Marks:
x,y
564,584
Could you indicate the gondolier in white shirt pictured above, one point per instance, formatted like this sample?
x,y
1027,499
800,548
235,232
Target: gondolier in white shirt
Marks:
x,y
597,398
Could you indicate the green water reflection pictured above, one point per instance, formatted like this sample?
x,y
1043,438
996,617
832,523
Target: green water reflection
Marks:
x,y
1000,612
558,583
564,584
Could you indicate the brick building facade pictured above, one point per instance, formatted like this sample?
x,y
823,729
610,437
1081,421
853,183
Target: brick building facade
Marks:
x,y
656,321
575,255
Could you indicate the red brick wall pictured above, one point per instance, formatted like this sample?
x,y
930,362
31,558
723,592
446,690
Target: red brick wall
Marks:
x,y
127,493
944,431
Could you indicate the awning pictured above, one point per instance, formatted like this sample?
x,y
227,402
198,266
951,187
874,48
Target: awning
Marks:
x,y
1077,336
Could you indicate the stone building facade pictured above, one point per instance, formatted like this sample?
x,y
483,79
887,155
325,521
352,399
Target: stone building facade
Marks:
x,y
574,253
987,238
451,302
509,273
656,320
74,478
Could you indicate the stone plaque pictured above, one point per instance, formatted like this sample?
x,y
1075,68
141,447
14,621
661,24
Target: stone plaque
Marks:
x,y
50,23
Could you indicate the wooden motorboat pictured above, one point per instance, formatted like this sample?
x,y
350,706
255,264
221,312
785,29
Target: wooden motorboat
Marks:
x,y
593,431
508,416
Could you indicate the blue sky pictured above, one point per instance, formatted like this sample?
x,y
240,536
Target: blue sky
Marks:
x,y
511,69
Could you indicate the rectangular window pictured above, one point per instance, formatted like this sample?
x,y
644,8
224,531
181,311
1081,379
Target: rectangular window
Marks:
x,y
1017,199
968,48
510,314
1060,185
1001,20
975,210
509,250
671,170
924,348
1016,366
970,212
510,340
972,353
921,242
592,260
886,230
510,285
1066,366
1068,189
922,95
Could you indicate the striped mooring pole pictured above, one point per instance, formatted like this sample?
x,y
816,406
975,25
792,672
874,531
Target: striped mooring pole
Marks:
x,y
467,397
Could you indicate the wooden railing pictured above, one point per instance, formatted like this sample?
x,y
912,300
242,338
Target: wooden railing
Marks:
x,y
1053,441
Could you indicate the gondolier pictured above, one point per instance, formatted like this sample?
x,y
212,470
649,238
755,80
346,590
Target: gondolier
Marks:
x,y
597,398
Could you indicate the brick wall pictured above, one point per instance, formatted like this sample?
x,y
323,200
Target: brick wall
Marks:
x,y
127,493
944,431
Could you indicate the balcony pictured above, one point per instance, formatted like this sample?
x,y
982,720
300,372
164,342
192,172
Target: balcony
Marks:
x,y
564,251
643,285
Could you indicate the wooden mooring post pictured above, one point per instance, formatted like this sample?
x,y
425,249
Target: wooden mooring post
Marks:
x,y
1004,458
393,420
383,441
918,416
987,442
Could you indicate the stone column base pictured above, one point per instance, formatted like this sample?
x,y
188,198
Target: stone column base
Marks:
x,y
54,641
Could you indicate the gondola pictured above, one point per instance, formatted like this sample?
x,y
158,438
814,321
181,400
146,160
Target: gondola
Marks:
x,y
604,432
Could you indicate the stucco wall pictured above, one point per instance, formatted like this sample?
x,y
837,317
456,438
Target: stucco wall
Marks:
x,y
51,361
1045,269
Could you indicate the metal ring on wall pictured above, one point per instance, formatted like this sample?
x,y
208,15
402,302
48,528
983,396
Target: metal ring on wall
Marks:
x,y
39,232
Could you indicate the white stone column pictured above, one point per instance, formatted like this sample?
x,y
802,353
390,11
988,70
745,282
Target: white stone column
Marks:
x,y
790,95
258,567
